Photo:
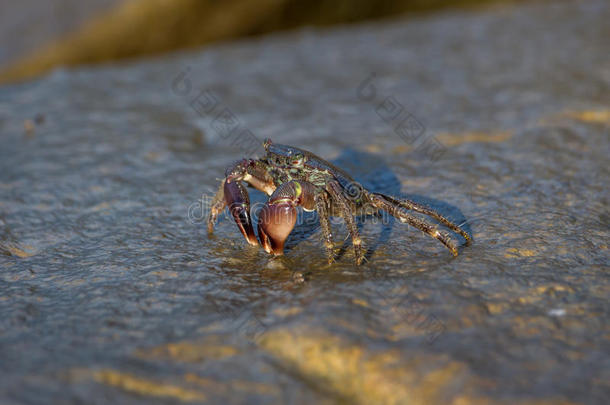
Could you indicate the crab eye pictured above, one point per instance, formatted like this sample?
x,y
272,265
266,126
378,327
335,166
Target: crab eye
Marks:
x,y
298,159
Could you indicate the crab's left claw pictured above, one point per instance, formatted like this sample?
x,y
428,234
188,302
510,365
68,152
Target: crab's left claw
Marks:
x,y
279,215
236,197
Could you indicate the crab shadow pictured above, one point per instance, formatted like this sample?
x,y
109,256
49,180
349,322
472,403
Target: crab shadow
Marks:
x,y
374,175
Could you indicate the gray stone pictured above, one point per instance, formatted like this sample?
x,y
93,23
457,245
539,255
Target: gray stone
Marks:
x,y
111,291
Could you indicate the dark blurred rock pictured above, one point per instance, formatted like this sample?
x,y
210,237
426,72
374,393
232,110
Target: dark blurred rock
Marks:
x,y
37,32
26,25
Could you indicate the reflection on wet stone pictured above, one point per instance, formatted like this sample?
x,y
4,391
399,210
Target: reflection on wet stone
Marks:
x,y
389,109
410,129
204,103
225,123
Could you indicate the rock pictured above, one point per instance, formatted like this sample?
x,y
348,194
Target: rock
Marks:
x,y
106,266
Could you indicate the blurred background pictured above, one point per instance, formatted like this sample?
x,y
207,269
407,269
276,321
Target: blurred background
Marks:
x,y
37,36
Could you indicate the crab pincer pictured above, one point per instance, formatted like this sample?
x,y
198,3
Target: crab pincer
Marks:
x,y
279,214
237,200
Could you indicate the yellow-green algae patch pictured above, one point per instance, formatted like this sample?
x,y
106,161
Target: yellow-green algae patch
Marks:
x,y
358,375
14,249
146,387
454,139
190,351
226,388
601,116
593,116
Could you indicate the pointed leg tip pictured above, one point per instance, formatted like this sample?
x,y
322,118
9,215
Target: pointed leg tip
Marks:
x,y
210,225
210,229
361,260
466,237
330,253
358,247
360,257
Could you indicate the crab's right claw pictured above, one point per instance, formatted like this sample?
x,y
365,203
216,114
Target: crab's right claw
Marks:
x,y
279,215
276,221
238,202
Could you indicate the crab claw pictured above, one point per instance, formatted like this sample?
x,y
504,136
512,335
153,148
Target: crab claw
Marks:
x,y
238,202
276,221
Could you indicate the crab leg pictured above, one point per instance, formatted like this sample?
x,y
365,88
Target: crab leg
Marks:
x,y
399,212
218,205
413,206
335,190
279,215
323,206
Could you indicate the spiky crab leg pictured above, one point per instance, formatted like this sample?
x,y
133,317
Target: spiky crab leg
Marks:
x,y
398,209
343,203
422,209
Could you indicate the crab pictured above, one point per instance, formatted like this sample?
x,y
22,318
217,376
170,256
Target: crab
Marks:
x,y
293,178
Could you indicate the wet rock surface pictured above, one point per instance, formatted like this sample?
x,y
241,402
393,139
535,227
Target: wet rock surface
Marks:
x,y
112,292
